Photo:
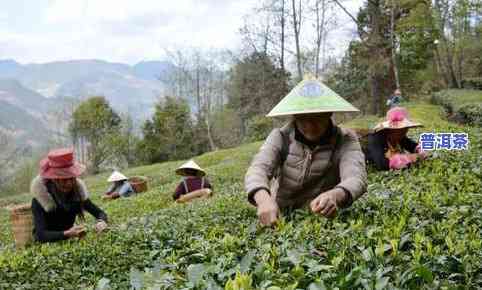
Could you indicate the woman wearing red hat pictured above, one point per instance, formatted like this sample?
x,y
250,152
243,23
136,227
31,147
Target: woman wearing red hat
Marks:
x,y
59,197
389,147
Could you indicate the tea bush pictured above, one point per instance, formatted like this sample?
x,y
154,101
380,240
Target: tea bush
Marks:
x,y
464,106
414,229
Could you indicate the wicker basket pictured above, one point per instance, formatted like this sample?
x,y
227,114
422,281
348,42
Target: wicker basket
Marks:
x,y
22,224
139,183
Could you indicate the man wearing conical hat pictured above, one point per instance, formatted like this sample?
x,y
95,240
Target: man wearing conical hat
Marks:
x,y
389,147
194,183
120,186
310,159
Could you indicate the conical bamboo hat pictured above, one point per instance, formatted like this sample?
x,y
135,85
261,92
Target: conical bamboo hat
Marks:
x,y
311,96
190,165
116,176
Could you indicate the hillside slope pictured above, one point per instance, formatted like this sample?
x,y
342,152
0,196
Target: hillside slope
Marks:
x,y
414,229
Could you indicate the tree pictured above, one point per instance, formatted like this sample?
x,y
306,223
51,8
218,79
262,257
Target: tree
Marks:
x,y
128,140
168,135
59,117
414,32
282,21
203,84
296,13
348,77
227,127
255,86
97,122
394,9
8,155
323,24
456,25
373,25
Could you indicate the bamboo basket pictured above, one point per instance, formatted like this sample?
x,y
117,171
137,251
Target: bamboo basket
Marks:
x,y
139,183
22,224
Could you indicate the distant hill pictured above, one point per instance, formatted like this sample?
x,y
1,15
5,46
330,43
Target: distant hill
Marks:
x,y
13,92
153,70
9,68
29,93
24,111
128,88
27,127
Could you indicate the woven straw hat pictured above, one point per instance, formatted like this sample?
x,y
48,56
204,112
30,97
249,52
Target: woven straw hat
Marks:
x,y
190,165
116,176
397,118
311,96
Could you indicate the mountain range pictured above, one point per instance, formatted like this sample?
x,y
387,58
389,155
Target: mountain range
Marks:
x,y
30,93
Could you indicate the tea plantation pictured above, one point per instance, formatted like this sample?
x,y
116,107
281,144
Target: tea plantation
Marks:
x,y
464,106
414,229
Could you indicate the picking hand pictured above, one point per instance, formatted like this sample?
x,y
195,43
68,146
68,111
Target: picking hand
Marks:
x,y
327,203
421,153
100,226
268,209
75,231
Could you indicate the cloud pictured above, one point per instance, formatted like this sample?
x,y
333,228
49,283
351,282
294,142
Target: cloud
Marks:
x,y
3,16
122,30
75,11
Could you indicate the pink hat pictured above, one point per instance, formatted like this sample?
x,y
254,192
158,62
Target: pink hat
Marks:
x,y
60,164
397,118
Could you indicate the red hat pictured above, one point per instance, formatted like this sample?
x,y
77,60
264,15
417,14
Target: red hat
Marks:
x,y
60,164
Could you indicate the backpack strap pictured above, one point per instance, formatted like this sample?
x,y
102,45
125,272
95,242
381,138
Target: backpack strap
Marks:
x,y
185,186
285,146
202,182
283,154
337,143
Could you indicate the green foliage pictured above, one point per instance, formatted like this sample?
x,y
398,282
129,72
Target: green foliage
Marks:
x,y
255,86
414,229
349,77
464,106
472,83
19,182
93,118
434,48
96,121
471,114
200,142
415,30
227,128
128,143
459,50
259,128
168,135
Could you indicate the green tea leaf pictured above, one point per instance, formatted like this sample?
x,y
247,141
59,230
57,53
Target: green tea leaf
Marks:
x,y
195,273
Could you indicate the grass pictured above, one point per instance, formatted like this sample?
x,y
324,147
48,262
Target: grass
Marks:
x,y
431,116
161,180
414,229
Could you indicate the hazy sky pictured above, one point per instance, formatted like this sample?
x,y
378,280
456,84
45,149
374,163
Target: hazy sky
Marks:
x,y
125,30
